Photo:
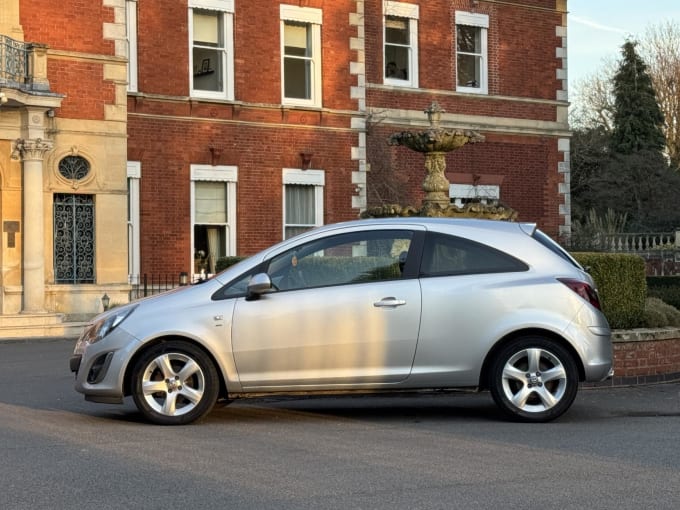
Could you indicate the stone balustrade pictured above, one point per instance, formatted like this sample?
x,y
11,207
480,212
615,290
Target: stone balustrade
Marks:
x,y
641,242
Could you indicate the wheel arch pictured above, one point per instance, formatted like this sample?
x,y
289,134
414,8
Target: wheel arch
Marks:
x,y
500,344
127,378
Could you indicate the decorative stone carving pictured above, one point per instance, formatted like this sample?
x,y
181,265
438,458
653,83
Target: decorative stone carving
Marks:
x,y
31,150
435,142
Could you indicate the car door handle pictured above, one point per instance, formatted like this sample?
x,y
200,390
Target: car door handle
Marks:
x,y
389,302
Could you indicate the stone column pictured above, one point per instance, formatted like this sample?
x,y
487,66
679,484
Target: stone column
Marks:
x,y
435,184
32,153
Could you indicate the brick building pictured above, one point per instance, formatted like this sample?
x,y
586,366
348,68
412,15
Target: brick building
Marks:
x,y
242,122
285,108
63,153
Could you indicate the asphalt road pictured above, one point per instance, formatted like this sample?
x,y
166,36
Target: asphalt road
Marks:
x,y
616,448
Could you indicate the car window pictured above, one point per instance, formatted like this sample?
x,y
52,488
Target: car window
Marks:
x,y
238,287
554,247
342,259
449,255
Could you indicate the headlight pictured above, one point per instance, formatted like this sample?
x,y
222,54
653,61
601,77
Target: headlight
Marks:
x,y
101,327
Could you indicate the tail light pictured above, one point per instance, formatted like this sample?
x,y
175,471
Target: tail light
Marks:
x,y
583,289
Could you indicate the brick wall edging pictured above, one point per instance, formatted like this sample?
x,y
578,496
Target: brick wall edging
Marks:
x,y
645,356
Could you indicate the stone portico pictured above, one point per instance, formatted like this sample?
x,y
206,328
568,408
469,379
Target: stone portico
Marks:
x,y
39,129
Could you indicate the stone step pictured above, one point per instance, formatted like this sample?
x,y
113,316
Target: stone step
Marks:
x,y
38,325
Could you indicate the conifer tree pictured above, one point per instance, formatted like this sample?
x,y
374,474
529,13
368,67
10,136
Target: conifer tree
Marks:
x,y
637,119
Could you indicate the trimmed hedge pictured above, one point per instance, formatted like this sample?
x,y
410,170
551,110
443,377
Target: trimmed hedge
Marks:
x,y
666,288
225,262
620,279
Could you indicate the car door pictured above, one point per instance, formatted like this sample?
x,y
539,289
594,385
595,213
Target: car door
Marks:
x,y
345,311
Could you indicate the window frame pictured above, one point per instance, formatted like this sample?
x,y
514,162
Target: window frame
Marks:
x,y
460,194
77,255
314,18
225,8
480,21
299,177
412,13
229,176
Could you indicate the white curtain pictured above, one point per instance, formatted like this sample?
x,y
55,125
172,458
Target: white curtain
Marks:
x,y
299,209
213,248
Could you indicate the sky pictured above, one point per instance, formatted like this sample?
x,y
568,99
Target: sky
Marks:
x,y
598,28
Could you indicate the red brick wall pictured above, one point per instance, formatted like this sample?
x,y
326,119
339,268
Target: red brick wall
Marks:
x,y
83,84
167,148
77,28
527,166
522,65
168,134
164,59
646,360
521,47
71,25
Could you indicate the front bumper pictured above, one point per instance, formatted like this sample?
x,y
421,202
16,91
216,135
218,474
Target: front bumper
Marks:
x,y
74,362
100,369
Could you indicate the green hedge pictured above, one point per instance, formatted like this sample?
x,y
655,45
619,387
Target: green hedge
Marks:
x,y
620,279
225,262
666,288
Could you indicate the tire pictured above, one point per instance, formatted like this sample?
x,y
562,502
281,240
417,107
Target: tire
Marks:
x,y
174,383
533,379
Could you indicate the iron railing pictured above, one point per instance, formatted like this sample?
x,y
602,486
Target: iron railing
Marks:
x,y
13,62
144,285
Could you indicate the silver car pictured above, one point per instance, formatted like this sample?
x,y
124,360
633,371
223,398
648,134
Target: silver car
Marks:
x,y
370,306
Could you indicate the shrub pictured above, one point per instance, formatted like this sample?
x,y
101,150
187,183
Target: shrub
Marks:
x,y
666,288
620,279
225,262
659,314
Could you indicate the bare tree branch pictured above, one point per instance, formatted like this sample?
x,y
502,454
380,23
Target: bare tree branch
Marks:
x,y
593,99
660,48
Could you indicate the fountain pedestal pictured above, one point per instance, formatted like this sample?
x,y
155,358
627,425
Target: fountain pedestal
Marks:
x,y
435,142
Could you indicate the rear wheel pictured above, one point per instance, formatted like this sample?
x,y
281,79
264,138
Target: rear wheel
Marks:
x,y
174,383
534,379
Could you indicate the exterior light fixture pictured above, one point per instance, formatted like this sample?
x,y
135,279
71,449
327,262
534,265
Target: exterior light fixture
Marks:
x,y
215,154
106,301
306,159
3,98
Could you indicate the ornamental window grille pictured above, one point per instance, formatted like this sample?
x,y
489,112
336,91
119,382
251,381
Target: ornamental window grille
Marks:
x,y
74,168
74,240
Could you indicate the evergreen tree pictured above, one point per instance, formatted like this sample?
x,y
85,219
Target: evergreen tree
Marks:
x,y
638,120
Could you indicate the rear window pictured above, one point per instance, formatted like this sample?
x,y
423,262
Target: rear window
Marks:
x,y
549,243
445,255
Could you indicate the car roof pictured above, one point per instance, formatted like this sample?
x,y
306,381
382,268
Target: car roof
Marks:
x,y
437,223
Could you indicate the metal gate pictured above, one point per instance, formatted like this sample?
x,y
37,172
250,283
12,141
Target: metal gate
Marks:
x,y
73,238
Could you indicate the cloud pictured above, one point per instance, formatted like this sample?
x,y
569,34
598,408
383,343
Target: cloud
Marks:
x,y
595,25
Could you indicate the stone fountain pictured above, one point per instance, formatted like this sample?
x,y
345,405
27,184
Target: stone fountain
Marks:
x,y
435,142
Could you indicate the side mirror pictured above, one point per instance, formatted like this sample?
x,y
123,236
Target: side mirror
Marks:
x,y
259,284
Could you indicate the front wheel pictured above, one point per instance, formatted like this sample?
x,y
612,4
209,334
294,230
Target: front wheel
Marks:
x,y
533,379
174,383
